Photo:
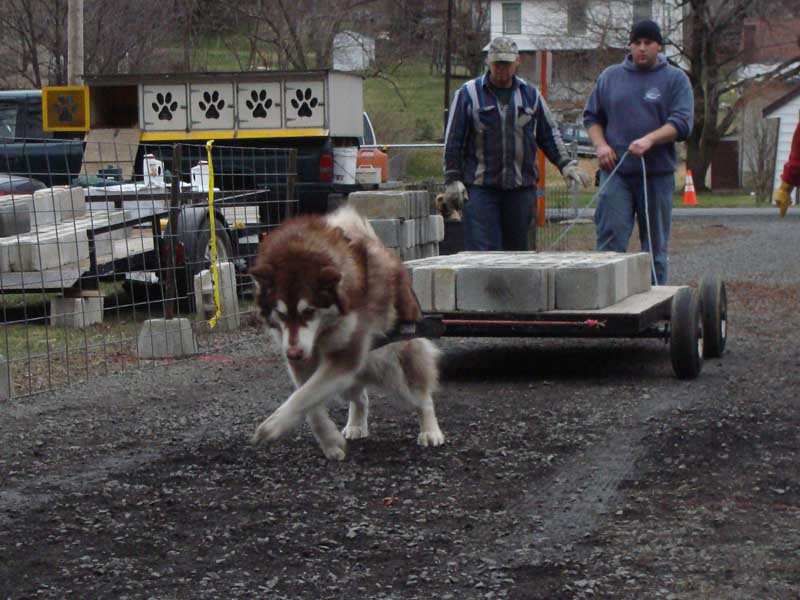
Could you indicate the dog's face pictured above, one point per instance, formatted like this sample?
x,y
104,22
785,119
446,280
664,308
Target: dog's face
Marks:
x,y
448,211
298,304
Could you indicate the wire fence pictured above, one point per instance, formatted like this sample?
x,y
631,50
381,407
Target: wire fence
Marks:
x,y
122,236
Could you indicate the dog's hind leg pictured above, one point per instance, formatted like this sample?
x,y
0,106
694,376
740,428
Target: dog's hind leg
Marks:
x,y
358,413
325,431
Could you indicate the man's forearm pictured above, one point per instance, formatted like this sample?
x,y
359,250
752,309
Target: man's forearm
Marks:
x,y
663,135
597,135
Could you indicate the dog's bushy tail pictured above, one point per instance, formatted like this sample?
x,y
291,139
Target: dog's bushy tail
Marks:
x,y
352,223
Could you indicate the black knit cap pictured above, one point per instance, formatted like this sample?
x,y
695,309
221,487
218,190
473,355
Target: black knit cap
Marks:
x,y
647,30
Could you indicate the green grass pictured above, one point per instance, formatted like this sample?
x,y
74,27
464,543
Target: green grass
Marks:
x,y
406,104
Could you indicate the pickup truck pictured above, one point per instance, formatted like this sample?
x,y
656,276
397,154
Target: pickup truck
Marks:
x,y
26,149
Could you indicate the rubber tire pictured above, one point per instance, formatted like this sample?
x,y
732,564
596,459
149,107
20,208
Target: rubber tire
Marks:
x,y
714,307
196,259
686,334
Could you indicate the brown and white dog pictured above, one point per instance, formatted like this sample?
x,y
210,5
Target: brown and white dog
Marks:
x,y
326,286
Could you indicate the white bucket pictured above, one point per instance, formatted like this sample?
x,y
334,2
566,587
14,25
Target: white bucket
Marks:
x,y
153,171
344,165
200,176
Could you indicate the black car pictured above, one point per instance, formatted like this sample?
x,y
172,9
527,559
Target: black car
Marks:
x,y
16,184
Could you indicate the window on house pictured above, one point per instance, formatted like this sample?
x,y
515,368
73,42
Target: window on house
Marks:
x,y
642,9
576,17
512,17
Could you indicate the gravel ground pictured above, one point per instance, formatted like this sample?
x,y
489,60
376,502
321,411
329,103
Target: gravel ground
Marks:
x,y
573,469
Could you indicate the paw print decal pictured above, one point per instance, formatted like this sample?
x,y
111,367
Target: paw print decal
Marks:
x,y
259,104
211,104
303,103
66,107
165,106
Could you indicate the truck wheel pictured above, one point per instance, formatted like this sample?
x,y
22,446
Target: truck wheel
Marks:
x,y
686,339
714,306
197,249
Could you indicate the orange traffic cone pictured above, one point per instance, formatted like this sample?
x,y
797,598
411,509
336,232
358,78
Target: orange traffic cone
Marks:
x,y
689,197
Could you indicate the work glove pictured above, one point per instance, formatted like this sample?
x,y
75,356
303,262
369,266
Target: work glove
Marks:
x,y
574,175
455,194
783,197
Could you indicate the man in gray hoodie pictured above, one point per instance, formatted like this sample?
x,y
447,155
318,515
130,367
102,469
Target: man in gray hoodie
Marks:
x,y
639,108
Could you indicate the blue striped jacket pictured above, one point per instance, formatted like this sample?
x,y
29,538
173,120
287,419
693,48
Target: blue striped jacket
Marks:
x,y
486,144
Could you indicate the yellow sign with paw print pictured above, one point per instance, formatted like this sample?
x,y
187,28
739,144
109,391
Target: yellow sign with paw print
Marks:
x,y
65,108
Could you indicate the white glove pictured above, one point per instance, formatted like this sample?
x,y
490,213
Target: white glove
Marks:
x,y
574,175
455,194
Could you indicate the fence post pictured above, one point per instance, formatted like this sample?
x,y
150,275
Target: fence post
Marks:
x,y
170,291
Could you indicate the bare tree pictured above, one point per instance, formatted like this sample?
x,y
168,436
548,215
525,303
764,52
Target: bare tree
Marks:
x,y
761,155
714,60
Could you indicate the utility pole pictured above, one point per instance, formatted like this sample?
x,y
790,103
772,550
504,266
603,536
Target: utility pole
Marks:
x,y
75,42
447,54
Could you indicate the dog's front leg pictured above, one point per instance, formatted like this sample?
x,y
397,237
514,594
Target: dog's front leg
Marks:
x,y
357,416
323,384
326,433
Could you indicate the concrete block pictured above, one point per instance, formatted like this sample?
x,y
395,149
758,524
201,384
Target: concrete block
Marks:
x,y
639,273
430,249
50,250
15,215
409,235
5,379
436,225
73,202
47,207
436,288
383,205
512,289
76,312
388,231
205,307
166,338
586,285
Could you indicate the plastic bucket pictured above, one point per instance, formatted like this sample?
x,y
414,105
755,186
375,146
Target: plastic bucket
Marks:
x,y
344,165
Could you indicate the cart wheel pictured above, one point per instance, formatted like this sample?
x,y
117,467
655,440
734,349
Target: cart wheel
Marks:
x,y
686,339
714,307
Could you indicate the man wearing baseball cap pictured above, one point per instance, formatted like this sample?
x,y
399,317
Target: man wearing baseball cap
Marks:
x,y
497,121
639,108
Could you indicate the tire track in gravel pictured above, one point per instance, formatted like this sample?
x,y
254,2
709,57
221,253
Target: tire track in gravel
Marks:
x,y
560,511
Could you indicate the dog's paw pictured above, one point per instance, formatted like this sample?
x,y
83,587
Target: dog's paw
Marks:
x,y
430,438
354,432
275,426
334,452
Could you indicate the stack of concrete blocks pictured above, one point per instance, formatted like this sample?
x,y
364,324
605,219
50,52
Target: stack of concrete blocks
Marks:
x,y
528,282
230,320
402,220
166,338
77,312
52,246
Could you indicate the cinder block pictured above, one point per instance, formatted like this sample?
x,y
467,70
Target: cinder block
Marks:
x,y
383,205
205,307
436,226
505,289
73,202
48,205
388,231
586,284
76,312
166,338
15,215
435,288
409,238
639,273
51,250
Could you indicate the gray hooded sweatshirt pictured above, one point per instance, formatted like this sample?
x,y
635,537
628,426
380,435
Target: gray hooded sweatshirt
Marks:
x,y
629,102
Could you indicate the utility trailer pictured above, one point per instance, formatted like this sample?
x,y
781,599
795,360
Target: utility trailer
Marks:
x,y
693,321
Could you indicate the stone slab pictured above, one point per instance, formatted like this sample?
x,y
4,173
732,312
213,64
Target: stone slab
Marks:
x,y
166,338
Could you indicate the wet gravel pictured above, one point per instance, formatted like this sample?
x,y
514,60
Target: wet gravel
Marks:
x,y
572,469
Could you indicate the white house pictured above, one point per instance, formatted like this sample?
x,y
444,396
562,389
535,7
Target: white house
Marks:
x,y
787,110
582,36
353,51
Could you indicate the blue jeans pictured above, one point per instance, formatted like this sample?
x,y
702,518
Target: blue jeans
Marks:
x,y
622,202
498,219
